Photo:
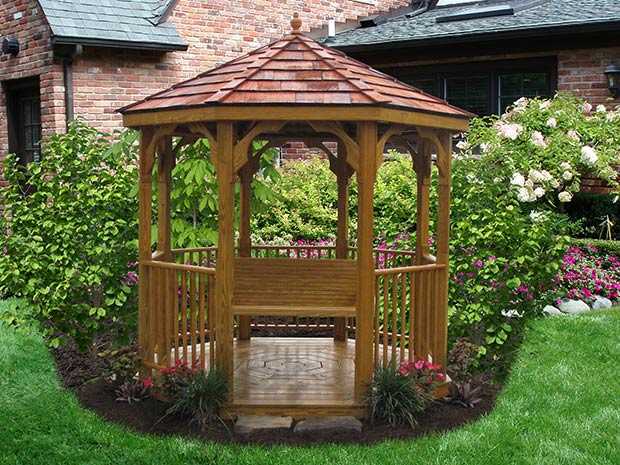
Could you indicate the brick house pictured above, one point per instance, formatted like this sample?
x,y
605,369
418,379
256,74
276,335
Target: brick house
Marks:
x,y
87,58
482,55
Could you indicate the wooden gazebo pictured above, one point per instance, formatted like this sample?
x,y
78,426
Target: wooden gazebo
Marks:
x,y
201,305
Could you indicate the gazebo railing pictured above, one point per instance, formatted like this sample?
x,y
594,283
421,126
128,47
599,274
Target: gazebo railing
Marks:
x,y
180,323
397,294
181,318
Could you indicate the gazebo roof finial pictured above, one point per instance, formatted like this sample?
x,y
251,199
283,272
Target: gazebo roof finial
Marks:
x,y
296,23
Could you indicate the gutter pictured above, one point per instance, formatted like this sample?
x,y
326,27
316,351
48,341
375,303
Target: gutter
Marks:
x,y
553,30
126,44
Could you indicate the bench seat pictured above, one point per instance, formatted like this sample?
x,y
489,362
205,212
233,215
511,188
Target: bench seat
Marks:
x,y
297,310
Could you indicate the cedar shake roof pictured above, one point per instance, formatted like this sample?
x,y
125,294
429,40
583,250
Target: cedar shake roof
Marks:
x,y
295,70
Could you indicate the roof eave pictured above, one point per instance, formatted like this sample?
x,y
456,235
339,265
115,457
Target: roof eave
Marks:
x,y
300,112
126,44
522,33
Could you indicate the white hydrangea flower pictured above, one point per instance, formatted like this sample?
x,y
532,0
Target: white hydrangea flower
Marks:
x,y
538,139
523,195
539,192
485,147
522,102
552,122
572,134
537,216
567,175
554,183
587,107
517,180
545,104
565,196
509,131
462,145
546,175
588,155
566,166
529,183
535,176
601,109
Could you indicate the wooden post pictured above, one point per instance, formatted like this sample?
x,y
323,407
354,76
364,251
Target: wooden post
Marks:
x,y
367,141
225,251
245,240
444,162
422,301
147,154
164,173
343,175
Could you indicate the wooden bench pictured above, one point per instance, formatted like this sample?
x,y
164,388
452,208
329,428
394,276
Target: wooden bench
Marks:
x,y
295,287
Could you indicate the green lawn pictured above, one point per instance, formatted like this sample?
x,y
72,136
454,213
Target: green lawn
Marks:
x,y
561,405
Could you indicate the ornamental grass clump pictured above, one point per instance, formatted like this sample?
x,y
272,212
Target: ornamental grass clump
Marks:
x,y
397,395
194,393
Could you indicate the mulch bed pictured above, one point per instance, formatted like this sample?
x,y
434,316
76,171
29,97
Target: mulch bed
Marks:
x,y
81,373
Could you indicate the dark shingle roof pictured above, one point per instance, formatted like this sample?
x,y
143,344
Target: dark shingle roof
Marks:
x,y
528,15
125,23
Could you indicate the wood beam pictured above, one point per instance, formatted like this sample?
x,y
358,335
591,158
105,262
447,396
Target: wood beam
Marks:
x,y
164,175
352,147
146,160
343,175
366,174
242,148
225,250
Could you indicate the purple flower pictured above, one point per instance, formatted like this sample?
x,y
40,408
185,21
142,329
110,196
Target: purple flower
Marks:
x,y
479,264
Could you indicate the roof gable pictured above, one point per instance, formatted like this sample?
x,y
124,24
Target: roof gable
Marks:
x,y
114,23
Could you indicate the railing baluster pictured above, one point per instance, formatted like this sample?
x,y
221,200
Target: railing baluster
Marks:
x,y
192,316
403,314
184,313
394,340
385,319
202,316
411,321
211,320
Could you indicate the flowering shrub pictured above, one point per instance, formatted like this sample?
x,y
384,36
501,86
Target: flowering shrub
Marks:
x,y
69,231
173,379
586,273
543,147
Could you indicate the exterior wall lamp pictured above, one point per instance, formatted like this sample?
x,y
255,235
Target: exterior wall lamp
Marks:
x,y
10,46
613,79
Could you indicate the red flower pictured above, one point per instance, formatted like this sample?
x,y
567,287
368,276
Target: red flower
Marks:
x,y
147,383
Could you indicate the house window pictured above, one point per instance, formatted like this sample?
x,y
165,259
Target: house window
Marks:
x,y
512,87
485,88
468,93
24,118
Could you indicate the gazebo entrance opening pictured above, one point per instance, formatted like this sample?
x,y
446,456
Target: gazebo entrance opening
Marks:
x,y
205,306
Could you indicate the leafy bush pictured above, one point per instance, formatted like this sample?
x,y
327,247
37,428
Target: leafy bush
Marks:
x,y
194,195
19,314
397,396
69,232
132,391
462,359
196,394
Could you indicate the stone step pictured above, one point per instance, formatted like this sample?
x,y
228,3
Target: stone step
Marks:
x,y
250,424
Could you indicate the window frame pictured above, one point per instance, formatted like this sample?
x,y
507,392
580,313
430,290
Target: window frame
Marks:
x,y
15,92
492,68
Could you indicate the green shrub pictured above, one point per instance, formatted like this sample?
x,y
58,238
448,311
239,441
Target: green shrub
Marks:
x,y
69,233
18,313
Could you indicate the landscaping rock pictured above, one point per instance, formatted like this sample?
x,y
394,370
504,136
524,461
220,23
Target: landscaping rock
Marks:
x,y
336,424
601,302
551,310
247,425
573,307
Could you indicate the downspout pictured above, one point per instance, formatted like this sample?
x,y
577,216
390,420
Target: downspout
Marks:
x,y
67,67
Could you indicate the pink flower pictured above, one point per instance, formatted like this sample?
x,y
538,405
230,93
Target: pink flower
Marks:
x,y
147,382
478,264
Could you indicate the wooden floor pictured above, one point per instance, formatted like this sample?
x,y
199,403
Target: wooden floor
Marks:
x,y
294,370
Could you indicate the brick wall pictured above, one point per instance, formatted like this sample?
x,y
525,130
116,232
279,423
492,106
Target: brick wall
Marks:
x,y
582,72
23,19
216,31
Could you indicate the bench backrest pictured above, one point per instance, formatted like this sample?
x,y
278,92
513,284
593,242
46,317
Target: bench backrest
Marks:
x,y
295,282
